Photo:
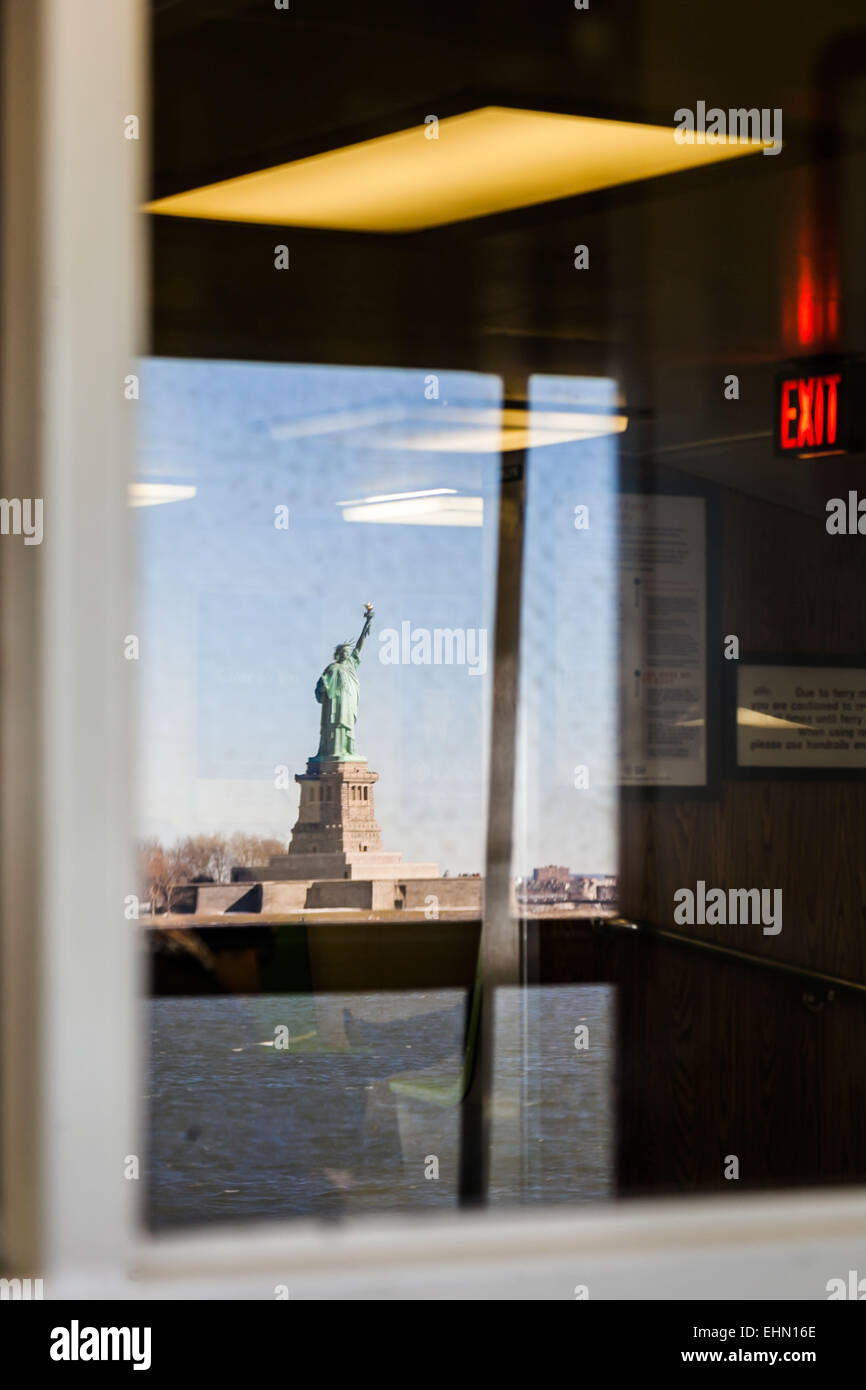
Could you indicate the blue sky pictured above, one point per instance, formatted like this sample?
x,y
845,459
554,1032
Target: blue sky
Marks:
x,y
238,618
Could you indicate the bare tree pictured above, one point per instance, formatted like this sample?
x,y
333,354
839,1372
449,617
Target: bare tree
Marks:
x,y
160,870
199,857
248,849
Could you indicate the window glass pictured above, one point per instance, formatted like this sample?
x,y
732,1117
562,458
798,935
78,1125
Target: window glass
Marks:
x,y
566,799
274,504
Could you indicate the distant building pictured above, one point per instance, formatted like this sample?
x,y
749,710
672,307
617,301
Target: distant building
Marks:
x,y
552,873
594,887
552,886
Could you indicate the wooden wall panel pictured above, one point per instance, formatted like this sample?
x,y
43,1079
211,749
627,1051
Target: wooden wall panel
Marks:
x,y
718,1058
786,587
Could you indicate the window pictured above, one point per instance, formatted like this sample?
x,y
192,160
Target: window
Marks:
x,y
682,1037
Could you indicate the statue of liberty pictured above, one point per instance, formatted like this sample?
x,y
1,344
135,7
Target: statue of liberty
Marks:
x,y
337,691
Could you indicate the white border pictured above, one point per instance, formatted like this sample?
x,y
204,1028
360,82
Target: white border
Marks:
x,y
781,1247
72,265
72,262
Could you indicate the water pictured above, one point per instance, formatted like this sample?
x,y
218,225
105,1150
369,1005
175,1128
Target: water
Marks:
x,y
241,1128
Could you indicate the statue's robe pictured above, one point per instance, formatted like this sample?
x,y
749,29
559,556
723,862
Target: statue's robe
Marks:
x,y
338,690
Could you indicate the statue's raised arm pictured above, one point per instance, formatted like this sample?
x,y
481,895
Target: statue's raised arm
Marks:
x,y
368,619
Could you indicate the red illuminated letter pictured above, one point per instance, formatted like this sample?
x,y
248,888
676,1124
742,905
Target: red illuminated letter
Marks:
x,y
789,413
805,433
818,413
832,383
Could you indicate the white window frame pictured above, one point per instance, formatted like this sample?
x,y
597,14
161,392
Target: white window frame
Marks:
x,y
71,1050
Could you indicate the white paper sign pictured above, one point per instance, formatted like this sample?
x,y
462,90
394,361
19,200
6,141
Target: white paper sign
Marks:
x,y
801,716
663,619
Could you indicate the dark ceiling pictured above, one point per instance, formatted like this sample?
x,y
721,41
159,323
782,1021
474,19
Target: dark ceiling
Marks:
x,y
692,276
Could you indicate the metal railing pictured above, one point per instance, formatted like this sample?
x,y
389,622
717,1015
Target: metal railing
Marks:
x,y
825,985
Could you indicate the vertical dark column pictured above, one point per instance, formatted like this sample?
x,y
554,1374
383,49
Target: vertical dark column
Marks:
x,y
500,948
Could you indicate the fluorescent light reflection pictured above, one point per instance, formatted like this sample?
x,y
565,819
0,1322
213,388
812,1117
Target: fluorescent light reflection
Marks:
x,y
419,509
457,429
157,494
398,496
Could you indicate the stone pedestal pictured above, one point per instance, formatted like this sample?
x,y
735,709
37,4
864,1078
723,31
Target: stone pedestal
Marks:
x,y
336,835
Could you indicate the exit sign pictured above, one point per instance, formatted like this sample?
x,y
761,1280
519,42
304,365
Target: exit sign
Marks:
x,y
819,407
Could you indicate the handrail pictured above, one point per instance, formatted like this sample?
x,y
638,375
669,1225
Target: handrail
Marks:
x,y
830,983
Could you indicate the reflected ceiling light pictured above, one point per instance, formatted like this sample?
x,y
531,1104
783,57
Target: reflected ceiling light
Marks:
x,y
465,431
490,160
457,429
442,507
338,421
754,719
398,496
155,494
750,719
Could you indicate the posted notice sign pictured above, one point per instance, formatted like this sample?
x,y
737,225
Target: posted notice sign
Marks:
x,y
801,717
663,640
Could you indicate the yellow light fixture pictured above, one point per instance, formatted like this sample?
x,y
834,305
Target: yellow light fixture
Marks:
x,y
486,161
750,719
756,719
